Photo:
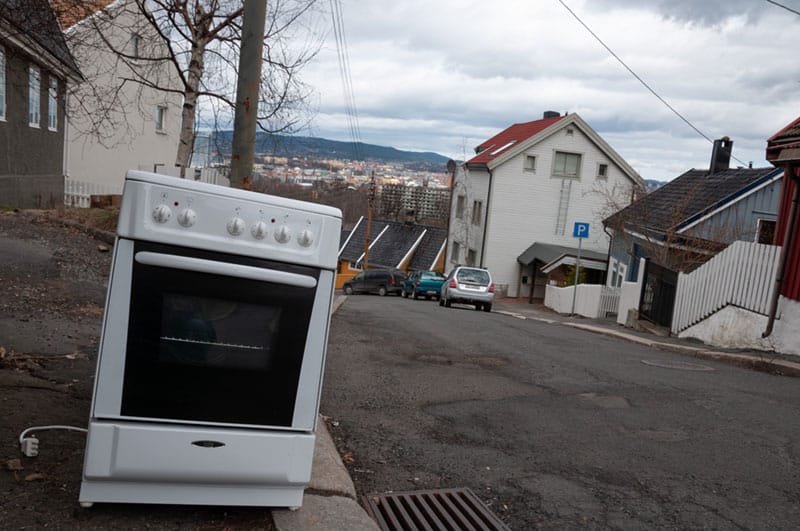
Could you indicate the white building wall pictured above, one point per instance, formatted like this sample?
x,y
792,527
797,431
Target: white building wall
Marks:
x,y
733,327
524,204
462,231
128,138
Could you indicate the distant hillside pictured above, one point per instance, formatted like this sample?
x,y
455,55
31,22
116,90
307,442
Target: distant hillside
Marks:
x,y
652,184
305,146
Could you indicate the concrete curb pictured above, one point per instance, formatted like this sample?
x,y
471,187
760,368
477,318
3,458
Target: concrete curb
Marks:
x,y
329,501
763,363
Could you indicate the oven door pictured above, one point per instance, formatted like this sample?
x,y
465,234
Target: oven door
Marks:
x,y
216,339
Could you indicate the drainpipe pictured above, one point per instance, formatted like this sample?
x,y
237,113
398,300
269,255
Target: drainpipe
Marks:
x,y
486,218
608,256
787,240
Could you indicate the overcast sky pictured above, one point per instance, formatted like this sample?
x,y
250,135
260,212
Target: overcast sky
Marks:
x,y
445,75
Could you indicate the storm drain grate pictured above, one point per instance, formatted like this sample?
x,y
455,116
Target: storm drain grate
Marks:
x,y
440,509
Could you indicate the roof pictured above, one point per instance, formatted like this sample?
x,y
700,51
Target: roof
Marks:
x,y
784,146
70,12
688,197
394,242
509,137
547,252
35,21
519,137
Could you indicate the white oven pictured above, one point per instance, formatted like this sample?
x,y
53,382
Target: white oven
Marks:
x,y
210,365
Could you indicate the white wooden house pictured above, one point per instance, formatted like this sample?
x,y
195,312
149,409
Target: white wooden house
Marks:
x,y
523,192
115,126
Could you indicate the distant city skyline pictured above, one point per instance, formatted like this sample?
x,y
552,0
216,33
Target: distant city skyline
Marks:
x,y
444,76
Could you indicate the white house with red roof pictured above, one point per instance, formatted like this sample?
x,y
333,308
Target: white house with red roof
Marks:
x,y
515,203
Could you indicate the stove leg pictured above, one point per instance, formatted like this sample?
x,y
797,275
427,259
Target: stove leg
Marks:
x,y
86,505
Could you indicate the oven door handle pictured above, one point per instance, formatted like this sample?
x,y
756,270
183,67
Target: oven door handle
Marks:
x,y
226,269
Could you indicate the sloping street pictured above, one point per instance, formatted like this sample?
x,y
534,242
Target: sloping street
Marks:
x,y
556,427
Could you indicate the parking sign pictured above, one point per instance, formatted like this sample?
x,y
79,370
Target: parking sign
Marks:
x,y
580,230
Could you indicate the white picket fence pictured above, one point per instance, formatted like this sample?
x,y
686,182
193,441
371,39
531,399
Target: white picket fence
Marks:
x,y
609,301
78,194
742,275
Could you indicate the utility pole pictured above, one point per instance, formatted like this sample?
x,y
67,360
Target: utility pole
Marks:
x,y
370,199
244,122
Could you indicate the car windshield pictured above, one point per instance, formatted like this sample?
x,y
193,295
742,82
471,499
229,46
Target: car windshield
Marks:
x,y
478,276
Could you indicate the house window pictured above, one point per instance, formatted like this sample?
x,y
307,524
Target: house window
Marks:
x,y
135,41
530,163
471,255
567,165
602,171
766,231
161,118
460,201
570,131
477,211
2,83
456,252
34,88
52,105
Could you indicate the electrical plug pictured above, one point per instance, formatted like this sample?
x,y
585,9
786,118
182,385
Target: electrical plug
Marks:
x,y
30,446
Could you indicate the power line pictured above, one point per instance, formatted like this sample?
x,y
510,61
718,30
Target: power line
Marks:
x,y
784,7
642,81
344,72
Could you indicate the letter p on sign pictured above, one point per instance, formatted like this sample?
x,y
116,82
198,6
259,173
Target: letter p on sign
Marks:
x,y
581,230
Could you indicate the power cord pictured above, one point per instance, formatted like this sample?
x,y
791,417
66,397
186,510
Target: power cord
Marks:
x,y
30,445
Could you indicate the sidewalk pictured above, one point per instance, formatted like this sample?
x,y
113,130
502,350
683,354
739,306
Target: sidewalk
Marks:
x,y
758,360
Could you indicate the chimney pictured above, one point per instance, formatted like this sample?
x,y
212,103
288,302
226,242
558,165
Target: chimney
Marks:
x,y
721,155
551,114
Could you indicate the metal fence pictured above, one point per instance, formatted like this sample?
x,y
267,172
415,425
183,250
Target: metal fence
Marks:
x,y
742,275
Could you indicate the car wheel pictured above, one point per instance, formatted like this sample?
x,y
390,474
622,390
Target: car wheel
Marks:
x,y
477,306
404,293
414,294
447,303
348,290
487,307
382,291
441,302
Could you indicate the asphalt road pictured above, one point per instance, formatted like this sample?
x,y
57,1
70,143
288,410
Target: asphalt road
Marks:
x,y
555,427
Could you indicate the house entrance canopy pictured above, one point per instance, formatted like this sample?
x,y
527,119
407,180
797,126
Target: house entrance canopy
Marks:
x,y
554,256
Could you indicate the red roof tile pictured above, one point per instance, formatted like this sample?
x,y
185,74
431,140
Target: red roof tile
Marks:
x,y
501,142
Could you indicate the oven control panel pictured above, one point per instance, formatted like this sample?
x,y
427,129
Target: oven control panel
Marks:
x,y
191,214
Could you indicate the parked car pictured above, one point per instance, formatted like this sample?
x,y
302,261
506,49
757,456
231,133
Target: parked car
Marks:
x,y
468,285
380,281
423,284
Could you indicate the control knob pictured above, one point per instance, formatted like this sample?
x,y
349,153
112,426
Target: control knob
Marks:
x,y
259,230
236,226
283,234
162,213
187,217
306,238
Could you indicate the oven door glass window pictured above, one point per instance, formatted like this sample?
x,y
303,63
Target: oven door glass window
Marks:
x,y
210,347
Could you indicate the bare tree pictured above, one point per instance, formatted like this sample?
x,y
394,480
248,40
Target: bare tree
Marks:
x,y
189,49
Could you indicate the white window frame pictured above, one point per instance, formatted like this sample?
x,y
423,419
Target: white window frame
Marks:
x,y
563,173
472,257
161,118
602,170
477,212
34,96
136,41
52,104
2,84
759,223
529,163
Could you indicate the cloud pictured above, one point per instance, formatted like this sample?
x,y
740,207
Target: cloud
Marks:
x,y
439,76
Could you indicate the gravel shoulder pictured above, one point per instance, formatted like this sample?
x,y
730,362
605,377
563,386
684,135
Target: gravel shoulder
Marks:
x,y
53,280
